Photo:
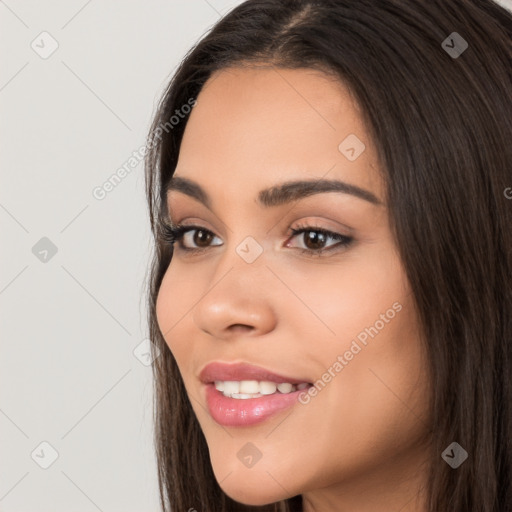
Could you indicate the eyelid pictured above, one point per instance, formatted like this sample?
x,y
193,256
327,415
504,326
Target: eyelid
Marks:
x,y
311,221
191,222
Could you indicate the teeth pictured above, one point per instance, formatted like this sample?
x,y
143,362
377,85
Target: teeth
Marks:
x,y
267,388
254,389
249,386
231,387
244,396
285,387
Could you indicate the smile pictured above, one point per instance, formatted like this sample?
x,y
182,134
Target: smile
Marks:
x,y
254,389
240,395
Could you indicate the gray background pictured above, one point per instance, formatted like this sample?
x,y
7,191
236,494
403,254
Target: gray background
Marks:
x,y
70,324
72,320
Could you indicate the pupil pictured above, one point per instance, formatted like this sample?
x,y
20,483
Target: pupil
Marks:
x,y
198,239
316,238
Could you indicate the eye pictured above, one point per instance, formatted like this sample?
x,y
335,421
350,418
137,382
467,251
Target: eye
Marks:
x,y
186,235
316,239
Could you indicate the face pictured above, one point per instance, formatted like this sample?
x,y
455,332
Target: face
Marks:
x,y
327,309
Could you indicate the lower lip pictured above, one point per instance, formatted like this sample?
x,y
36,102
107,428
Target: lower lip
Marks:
x,y
238,412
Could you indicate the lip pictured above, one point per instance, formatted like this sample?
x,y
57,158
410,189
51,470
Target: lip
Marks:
x,y
242,371
233,412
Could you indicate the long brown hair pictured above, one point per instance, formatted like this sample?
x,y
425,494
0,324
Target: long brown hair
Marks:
x,y
442,125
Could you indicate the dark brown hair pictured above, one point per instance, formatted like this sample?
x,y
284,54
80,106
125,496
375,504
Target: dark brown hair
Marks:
x,y
442,126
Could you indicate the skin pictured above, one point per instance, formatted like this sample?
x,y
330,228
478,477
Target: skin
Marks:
x,y
358,445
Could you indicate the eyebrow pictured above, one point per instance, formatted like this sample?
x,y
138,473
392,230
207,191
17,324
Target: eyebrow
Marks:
x,y
278,194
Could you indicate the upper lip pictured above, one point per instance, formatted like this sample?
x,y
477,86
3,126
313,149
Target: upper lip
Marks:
x,y
242,371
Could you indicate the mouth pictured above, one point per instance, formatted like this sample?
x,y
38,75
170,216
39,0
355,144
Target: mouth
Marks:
x,y
240,395
247,389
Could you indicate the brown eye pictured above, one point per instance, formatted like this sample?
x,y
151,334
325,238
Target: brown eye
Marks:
x,y
314,240
202,238
189,238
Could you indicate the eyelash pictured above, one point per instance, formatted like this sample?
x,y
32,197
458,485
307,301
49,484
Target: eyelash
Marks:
x,y
171,235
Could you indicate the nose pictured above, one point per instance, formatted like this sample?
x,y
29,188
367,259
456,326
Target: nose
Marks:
x,y
238,300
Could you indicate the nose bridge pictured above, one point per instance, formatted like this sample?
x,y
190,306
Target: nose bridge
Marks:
x,y
246,248
247,258
238,293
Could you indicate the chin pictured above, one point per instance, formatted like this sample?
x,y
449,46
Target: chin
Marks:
x,y
250,488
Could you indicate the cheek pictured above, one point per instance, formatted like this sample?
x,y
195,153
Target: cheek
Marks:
x,y
388,371
378,339
344,299
377,395
374,408
175,298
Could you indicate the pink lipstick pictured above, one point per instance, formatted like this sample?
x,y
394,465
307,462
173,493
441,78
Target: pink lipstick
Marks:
x,y
241,394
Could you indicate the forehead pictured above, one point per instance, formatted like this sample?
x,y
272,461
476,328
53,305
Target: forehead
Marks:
x,y
257,126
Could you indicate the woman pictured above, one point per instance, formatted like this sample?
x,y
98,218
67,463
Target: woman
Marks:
x,y
331,290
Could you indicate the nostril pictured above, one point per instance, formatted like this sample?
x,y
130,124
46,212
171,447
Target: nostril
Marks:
x,y
240,327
